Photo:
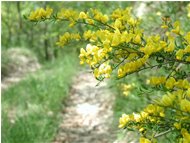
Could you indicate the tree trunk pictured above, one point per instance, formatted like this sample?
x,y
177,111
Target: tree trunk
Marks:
x,y
46,44
9,38
19,23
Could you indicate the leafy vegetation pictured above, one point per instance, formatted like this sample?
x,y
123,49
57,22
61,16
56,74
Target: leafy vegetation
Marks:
x,y
118,46
146,57
31,109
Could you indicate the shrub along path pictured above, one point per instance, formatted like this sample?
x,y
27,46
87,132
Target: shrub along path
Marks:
x,y
88,115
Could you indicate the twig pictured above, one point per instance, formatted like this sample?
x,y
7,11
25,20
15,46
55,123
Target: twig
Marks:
x,y
163,133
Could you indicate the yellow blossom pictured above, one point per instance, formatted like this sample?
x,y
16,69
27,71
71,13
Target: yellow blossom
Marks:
x,y
144,140
157,80
40,14
179,54
164,26
137,39
168,99
188,93
182,83
116,38
83,15
170,83
88,34
121,72
66,37
187,49
123,120
186,135
187,59
187,37
176,27
118,24
185,105
177,125
90,21
68,14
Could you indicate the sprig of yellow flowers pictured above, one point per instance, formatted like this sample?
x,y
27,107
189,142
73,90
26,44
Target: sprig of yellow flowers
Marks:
x,y
118,43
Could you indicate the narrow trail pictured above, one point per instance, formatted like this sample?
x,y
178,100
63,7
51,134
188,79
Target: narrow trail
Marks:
x,y
24,65
17,76
88,116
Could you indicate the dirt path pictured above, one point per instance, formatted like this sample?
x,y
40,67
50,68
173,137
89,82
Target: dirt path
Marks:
x,y
22,65
17,76
88,115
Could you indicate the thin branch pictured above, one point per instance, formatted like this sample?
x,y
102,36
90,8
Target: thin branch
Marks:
x,y
163,133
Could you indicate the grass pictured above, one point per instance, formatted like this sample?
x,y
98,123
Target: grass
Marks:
x,y
31,109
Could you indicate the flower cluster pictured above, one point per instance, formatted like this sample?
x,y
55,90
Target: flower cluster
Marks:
x,y
67,14
40,14
117,45
169,83
66,37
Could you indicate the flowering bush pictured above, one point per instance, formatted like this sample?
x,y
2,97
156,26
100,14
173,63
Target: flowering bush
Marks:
x,y
117,46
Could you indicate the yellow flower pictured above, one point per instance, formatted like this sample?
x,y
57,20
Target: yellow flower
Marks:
x,y
186,135
164,26
187,49
188,93
66,37
170,47
132,21
182,84
187,37
83,15
96,73
179,54
187,59
137,39
168,99
82,53
144,140
170,83
88,34
141,129
176,27
137,117
117,24
68,14
121,72
150,108
177,125
104,19
40,14
116,38
90,21
185,105
157,80
123,120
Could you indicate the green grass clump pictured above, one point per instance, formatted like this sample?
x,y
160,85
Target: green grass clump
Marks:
x,y
31,109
